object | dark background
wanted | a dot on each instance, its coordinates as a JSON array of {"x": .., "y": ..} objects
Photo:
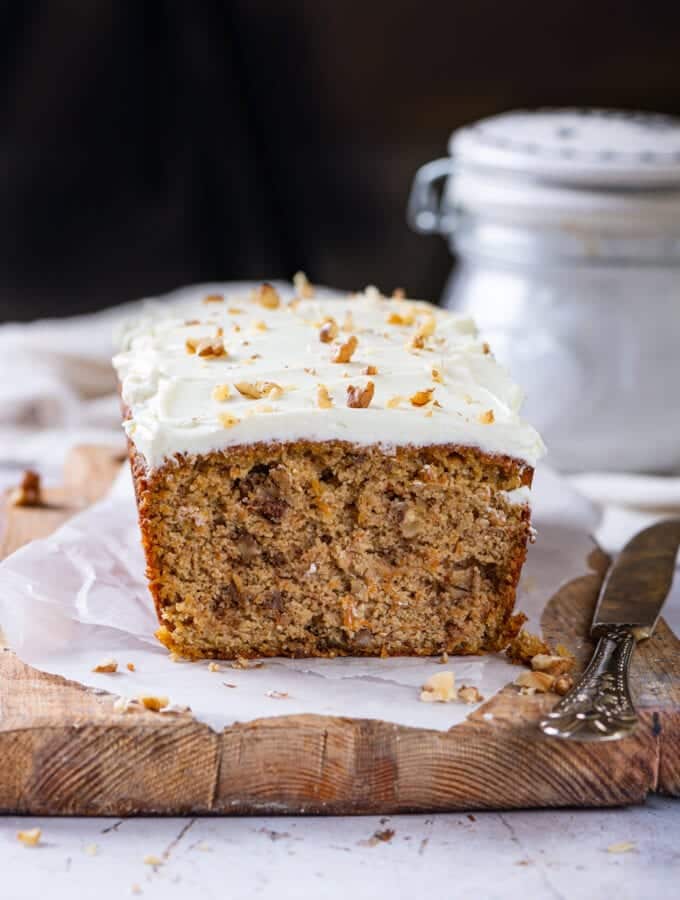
[{"x": 146, "y": 144}]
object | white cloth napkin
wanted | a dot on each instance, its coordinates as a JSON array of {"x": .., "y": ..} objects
[{"x": 57, "y": 389}]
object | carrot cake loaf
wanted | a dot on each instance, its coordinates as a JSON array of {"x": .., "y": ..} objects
[{"x": 320, "y": 474}]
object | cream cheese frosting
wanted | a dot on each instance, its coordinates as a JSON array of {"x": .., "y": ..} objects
[{"x": 238, "y": 364}]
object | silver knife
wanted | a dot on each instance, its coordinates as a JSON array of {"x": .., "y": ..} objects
[{"x": 599, "y": 707}]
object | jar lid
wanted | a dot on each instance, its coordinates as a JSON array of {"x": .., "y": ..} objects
[{"x": 590, "y": 166}]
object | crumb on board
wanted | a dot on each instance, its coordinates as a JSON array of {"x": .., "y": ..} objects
[
  {"x": 28, "y": 492},
  {"x": 439, "y": 688},
  {"x": 151, "y": 860},
  {"x": 106, "y": 666},
  {"x": 213, "y": 667},
  {"x": 152, "y": 702}
]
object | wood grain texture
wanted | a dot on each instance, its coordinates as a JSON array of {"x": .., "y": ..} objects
[{"x": 65, "y": 750}]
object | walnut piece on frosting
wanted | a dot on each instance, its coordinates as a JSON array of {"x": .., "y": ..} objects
[
  {"x": 228, "y": 421},
  {"x": 345, "y": 352},
  {"x": 422, "y": 398},
  {"x": 303, "y": 287},
  {"x": 329, "y": 330},
  {"x": 487, "y": 417},
  {"x": 259, "y": 389},
  {"x": 323, "y": 398},
  {"x": 107, "y": 666},
  {"x": 267, "y": 295},
  {"x": 213, "y": 298},
  {"x": 206, "y": 347},
  {"x": 221, "y": 392},
  {"x": 360, "y": 398},
  {"x": 30, "y": 837}
]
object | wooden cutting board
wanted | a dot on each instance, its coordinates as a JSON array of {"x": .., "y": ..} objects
[{"x": 65, "y": 751}]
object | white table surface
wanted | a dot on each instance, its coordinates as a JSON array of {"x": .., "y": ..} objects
[
  {"x": 539, "y": 854},
  {"x": 528, "y": 854}
]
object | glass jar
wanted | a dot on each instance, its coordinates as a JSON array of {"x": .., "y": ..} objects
[{"x": 574, "y": 281}]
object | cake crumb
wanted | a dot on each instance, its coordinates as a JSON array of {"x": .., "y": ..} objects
[
  {"x": 487, "y": 417},
  {"x": 242, "y": 663},
  {"x": 395, "y": 402},
  {"x": 437, "y": 375},
  {"x": 444, "y": 658},
  {"x": 439, "y": 688},
  {"x": 213, "y": 667},
  {"x": 155, "y": 704},
  {"x": 469, "y": 694},
  {"x": 360, "y": 398},
  {"x": 405, "y": 319},
  {"x": 130, "y": 667},
  {"x": 345, "y": 352},
  {"x": 213, "y": 298},
  {"x": 107, "y": 666},
  {"x": 221, "y": 392},
  {"x": 525, "y": 646},
  {"x": 29, "y": 492},
  {"x": 370, "y": 370},
  {"x": 151, "y": 860},
  {"x": 382, "y": 836},
  {"x": 30, "y": 837}
]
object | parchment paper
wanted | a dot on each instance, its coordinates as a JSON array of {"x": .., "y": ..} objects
[{"x": 78, "y": 597}]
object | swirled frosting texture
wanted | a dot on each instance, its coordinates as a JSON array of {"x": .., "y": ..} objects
[{"x": 209, "y": 369}]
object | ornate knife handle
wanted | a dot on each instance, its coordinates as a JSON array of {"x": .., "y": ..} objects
[{"x": 599, "y": 707}]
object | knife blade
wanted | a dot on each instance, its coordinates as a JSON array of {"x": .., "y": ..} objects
[
  {"x": 599, "y": 707},
  {"x": 640, "y": 579}
]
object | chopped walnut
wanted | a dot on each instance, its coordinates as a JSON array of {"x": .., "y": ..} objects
[
  {"x": 487, "y": 417},
  {"x": 221, "y": 392},
  {"x": 303, "y": 287},
  {"x": 395, "y": 402},
  {"x": 370, "y": 370},
  {"x": 396, "y": 318},
  {"x": 29, "y": 492},
  {"x": 130, "y": 667},
  {"x": 417, "y": 342},
  {"x": 439, "y": 688},
  {"x": 323, "y": 398},
  {"x": 227, "y": 420},
  {"x": 553, "y": 665},
  {"x": 30, "y": 837},
  {"x": 563, "y": 684},
  {"x": 206, "y": 347},
  {"x": 345, "y": 352},
  {"x": 469, "y": 694},
  {"x": 213, "y": 298},
  {"x": 421, "y": 398},
  {"x": 437, "y": 375},
  {"x": 486, "y": 349},
  {"x": 267, "y": 295},
  {"x": 329, "y": 330},
  {"x": 360, "y": 398},
  {"x": 213, "y": 667},
  {"x": 107, "y": 666},
  {"x": 259, "y": 390},
  {"x": 150, "y": 701},
  {"x": 540, "y": 682}
]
